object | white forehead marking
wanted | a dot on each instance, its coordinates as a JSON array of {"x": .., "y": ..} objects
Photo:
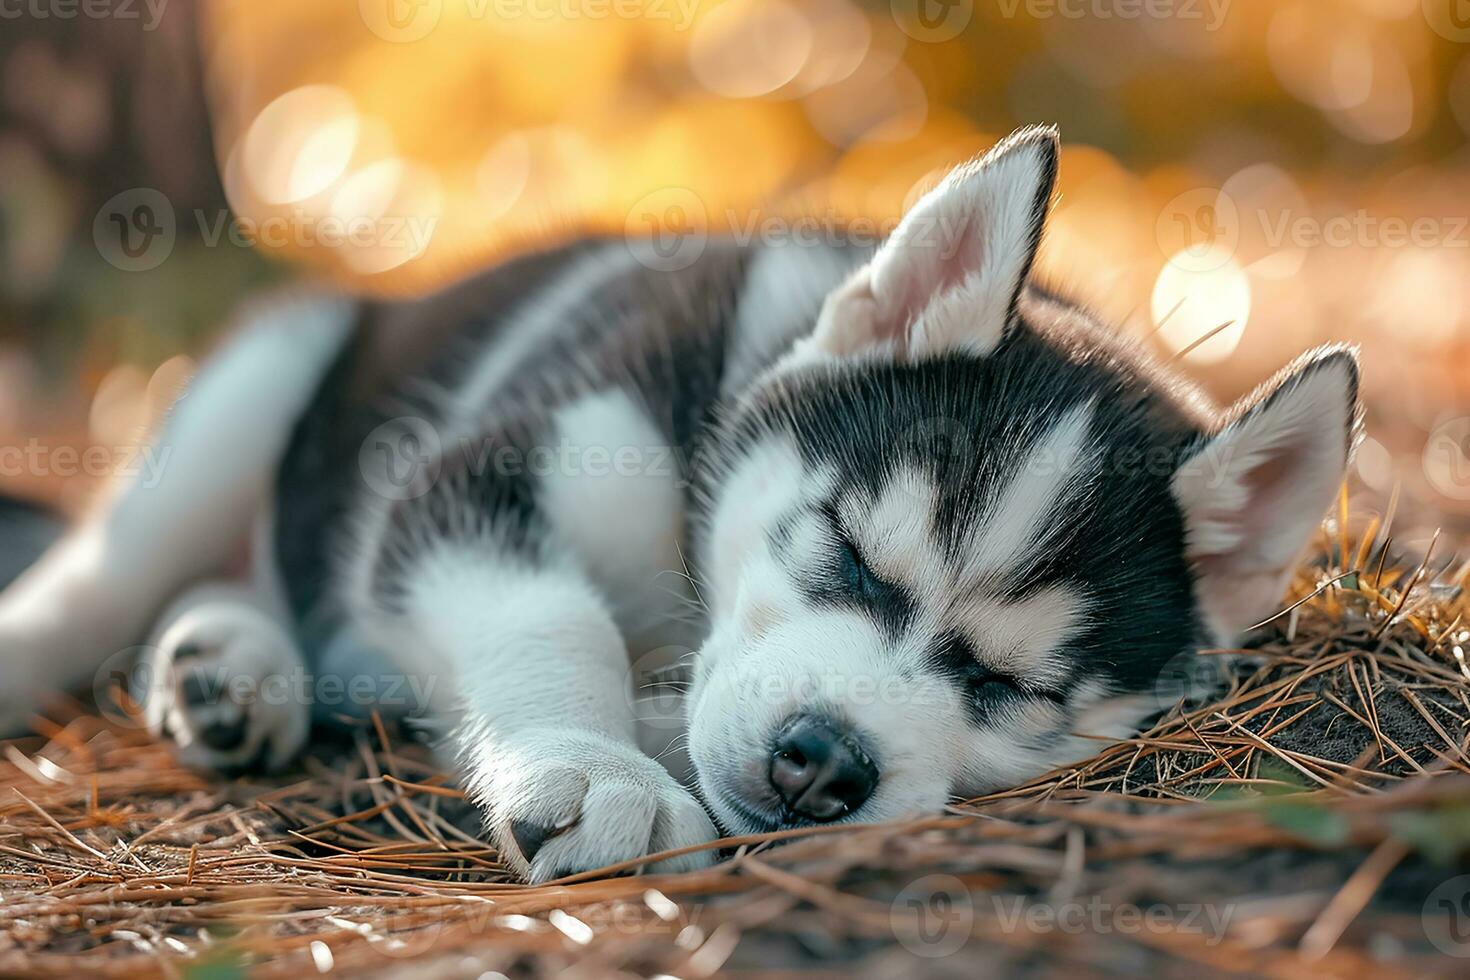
[
  {"x": 896, "y": 534},
  {"x": 1055, "y": 467},
  {"x": 1021, "y": 638},
  {"x": 808, "y": 540},
  {"x": 767, "y": 482}
]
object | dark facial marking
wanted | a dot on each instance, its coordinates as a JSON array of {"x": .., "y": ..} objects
[
  {"x": 1122, "y": 544},
  {"x": 987, "y": 693},
  {"x": 847, "y": 580}
]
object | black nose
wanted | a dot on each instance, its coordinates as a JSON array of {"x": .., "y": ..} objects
[{"x": 820, "y": 771}]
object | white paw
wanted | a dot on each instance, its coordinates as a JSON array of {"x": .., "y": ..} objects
[
  {"x": 225, "y": 683},
  {"x": 560, "y": 802}
]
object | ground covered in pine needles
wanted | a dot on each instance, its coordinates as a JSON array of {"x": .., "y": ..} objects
[{"x": 1300, "y": 806}]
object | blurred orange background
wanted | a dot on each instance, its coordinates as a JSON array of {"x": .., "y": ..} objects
[{"x": 1297, "y": 171}]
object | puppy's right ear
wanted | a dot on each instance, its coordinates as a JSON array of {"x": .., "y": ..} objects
[
  {"x": 1253, "y": 494},
  {"x": 950, "y": 274}
]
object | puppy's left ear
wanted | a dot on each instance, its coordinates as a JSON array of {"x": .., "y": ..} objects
[
  {"x": 1253, "y": 494},
  {"x": 950, "y": 274}
]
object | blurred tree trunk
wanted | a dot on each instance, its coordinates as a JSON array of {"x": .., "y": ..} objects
[{"x": 91, "y": 107}]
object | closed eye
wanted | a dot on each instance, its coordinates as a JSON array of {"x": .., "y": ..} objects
[
  {"x": 986, "y": 688},
  {"x": 846, "y": 578},
  {"x": 853, "y": 573},
  {"x": 994, "y": 690},
  {"x": 990, "y": 689},
  {"x": 852, "y": 570}
]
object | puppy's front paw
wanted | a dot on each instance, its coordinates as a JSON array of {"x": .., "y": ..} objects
[
  {"x": 563, "y": 802},
  {"x": 223, "y": 683}
]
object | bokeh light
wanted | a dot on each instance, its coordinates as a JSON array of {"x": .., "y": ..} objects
[
  {"x": 300, "y": 144},
  {"x": 1201, "y": 309},
  {"x": 749, "y": 48},
  {"x": 1210, "y": 153}
]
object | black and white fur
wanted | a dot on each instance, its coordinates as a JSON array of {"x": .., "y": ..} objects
[{"x": 940, "y": 509}]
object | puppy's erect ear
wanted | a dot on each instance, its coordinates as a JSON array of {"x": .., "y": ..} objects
[
  {"x": 1254, "y": 493},
  {"x": 950, "y": 274}
]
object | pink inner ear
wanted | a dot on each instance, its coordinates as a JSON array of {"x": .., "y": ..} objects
[
  {"x": 1240, "y": 587},
  {"x": 1266, "y": 486},
  {"x": 931, "y": 256},
  {"x": 959, "y": 251},
  {"x": 1255, "y": 496},
  {"x": 1234, "y": 601},
  {"x": 949, "y": 274}
]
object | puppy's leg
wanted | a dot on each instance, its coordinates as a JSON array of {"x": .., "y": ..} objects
[
  {"x": 224, "y": 680},
  {"x": 545, "y": 736},
  {"x": 190, "y": 504}
]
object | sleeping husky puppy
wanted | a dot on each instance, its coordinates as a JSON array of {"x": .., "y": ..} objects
[{"x": 943, "y": 525}]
